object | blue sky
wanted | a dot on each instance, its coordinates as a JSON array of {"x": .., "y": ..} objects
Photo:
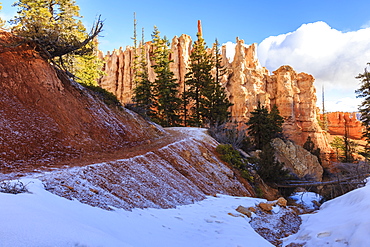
[{"x": 253, "y": 21}]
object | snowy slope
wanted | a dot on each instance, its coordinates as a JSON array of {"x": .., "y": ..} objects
[
  {"x": 41, "y": 218},
  {"x": 343, "y": 221}
]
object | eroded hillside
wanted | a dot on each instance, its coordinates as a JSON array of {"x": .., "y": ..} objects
[
  {"x": 46, "y": 119},
  {"x": 56, "y": 130}
]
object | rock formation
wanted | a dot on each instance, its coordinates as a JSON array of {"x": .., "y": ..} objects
[
  {"x": 298, "y": 160},
  {"x": 336, "y": 122},
  {"x": 246, "y": 83}
]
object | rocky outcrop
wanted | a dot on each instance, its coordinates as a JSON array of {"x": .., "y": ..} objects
[
  {"x": 246, "y": 83},
  {"x": 337, "y": 122},
  {"x": 298, "y": 160}
]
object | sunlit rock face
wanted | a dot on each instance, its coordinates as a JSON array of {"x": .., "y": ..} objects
[
  {"x": 246, "y": 83},
  {"x": 337, "y": 123},
  {"x": 298, "y": 160}
]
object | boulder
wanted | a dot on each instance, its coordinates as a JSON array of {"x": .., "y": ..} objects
[
  {"x": 282, "y": 202},
  {"x": 244, "y": 210},
  {"x": 298, "y": 160},
  {"x": 265, "y": 206}
]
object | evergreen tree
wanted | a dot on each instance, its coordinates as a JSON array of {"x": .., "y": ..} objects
[
  {"x": 55, "y": 25},
  {"x": 264, "y": 126},
  {"x": 198, "y": 81},
  {"x": 309, "y": 145},
  {"x": 268, "y": 168},
  {"x": 276, "y": 122},
  {"x": 337, "y": 144},
  {"x": 217, "y": 103},
  {"x": 165, "y": 87},
  {"x": 143, "y": 92},
  {"x": 87, "y": 69},
  {"x": 364, "y": 92},
  {"x": 135, "y": 62},
  {"x": 349, "y": 147}
]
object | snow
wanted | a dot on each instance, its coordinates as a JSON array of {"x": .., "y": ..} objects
[
  {"x": 40, "y": 218},
  {"x": 343, "y": 221},
  {"x": 306, "y": 199}
]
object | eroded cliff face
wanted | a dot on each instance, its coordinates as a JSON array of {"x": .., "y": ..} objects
[
  {"x": 337, "y": 122},
  {"x": 246, "y": 83}
]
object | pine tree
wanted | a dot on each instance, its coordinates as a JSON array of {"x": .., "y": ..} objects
[
  {"x": 264, "y": 126},
  {"x": 364, "y": 92},
  {"x": 276, "y": 122},
  {"x": 55, "y": 25},
  {"x": 349, "y": 146},
  {"x": 337, "y": 144},
  {"x": 165, "y": 87},
  {"x": 135, "y": 62},
  {"x": 269, "y": 169},
  {"x": 143, "y": 92},
  {"x": 309, "y": 145},
  {"x": 198, "y": 81},
  {"x": 87, "y": 69},
  {"x": 217, "y": 103}
]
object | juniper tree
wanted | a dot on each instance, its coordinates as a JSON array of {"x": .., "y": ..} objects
[{"x": 167, "y": 102}]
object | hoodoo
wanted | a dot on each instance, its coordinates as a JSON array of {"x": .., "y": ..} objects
[{"x": 246, "y": 83}]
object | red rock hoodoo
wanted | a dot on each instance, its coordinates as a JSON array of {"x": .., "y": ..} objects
[{"x": 337, "y": 121}]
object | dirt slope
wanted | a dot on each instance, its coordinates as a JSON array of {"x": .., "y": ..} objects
[
  {"x": 181, "y": 172},
  {"x": 54, "y": 129},
  {"x": 46, "y": 119}
]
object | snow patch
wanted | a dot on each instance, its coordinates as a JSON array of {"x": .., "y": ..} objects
[
  {"x": 44, "y": 219},
  {"x": 343, "y": 221}
]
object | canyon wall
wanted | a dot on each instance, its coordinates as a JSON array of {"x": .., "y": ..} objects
[
  {"x": 246, "y": 83},
  {"x": 336, "y": 122}
]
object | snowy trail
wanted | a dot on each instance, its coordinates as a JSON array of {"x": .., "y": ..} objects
[
  {"x": 44, "y": 219},
  {"x": 343, "y": 221}
]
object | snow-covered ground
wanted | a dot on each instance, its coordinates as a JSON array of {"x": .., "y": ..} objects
[
  {"x": 41, "y": 218},
  {"x": 343, "y": 221}
]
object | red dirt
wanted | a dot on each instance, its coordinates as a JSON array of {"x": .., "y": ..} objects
[{"x": 47, "y": 120}]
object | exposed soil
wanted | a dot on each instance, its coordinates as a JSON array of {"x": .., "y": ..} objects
[{"x": 47, "y": 120}]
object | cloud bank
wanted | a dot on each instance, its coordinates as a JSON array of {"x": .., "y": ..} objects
[{"x": 333, "y": 57}]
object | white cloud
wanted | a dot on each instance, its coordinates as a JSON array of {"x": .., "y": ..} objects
[
  {"x": 333, "y": 57},
  {"x": 344, "y": 105}
]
